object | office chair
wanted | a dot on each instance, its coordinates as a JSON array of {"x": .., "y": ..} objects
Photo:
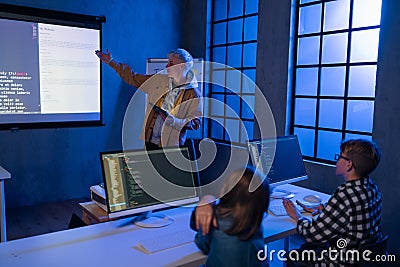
[{"x": 377, "y": 248}]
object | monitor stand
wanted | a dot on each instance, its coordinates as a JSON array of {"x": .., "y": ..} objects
[
  {"x": 280, "y": 193},
  {"x": 149, "y": 220}
]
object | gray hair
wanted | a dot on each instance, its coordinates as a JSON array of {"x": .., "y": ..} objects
[{"x": 183, "y": 55}]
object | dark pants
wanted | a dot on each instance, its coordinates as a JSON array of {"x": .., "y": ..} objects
[{"x": 151, "y": 146}]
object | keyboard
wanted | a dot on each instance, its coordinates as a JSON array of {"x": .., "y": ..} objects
[
  {"x": 166, "y": 241},
  {"x": 279, "y": 209}
]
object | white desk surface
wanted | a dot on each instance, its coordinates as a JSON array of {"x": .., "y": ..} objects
[
  {"x": 112, "y": 243},
  {"x": 278, "y": 227}
]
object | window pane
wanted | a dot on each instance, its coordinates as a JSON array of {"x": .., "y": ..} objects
[
  {"x": 249, "y": 55},
  {"x": 362, "y": 81},
  {"x": 334, "y": 48},
  {"x": 219, "y": 34},
  {"x": 218, "y": 78},
  {"x": 248, "y": 107},
  {"x": 364, "y": 46},
  {"x": 333, "y": 81},
  {"x": 248, "y": 81},
  {"x": 331, "y": 113},
  {"x": 220, "y": 9},
  {"x": 366, "y": 13},
  {"x": 232, "y": 130},
  {"x": 249, "y": 126},
  {"x": 217, "y": 88},
  {"x": 217, "y": 107},
  {"x": 250, "y": 28},
  {"x": 360, "y": 115},
  {"x": 306, "y": 140},
  {"x": 235, "y": 30},
  {"x": 310, "y": 19},
  {"x": 235, "y": 8},
  {"x": 251, "y": 74},
  {"x": 357, "y": 136},
  {"x": 328, "y": 144},
  {"x": 306, "y": 81},
  {"x": 307, "y": 1},
  {"x": 217, "y": 129},
  {"x": 233, "y": 101},
  {"x": 219, "y": 54},
  {"x": 336, "y": 15},
  {"x": 308, "y": 50},
  {"x": 251, "y": 6},
  {"x": 305, "y": 112},
  {"x": 233, "y": 80},
  {"x": 234, "y": 56}
]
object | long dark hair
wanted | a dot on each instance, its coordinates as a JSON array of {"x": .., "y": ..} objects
[{"x": 244, "y": 207}]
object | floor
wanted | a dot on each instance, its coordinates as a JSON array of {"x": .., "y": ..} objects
[
  {"x": 41, "y": 219},
  {"x": 36, "y": 220}
]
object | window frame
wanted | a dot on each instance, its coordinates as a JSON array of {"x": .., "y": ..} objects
[
  {"x": 318, "y": 97},
  {"x": 226, "y": 93}
]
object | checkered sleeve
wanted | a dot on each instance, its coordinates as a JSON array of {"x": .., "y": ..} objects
[{"x": 332, "y": 221}]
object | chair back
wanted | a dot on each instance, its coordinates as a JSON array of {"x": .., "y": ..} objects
[{"x": 377, "y": 248}]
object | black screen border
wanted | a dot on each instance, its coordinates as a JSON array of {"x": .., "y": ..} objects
[
  {"x": 158, "y": 205},
  {"x": 31, "y": 14}
]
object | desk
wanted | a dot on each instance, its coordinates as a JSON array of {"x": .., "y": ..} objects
[
  {"x": 105, "y": 244},
  {"x": 3, "y": 232},
  {"x": 278, "y": 227},
  {"x": 92, "y": 213},
  {"x": 113, "y": 243}
]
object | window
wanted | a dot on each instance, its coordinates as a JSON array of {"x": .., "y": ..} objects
[
  {"x": 336, "y": 51},
  {"x": 234, "y": 47}
]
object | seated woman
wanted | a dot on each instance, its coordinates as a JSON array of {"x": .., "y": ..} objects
[{"x": 235, "y": 236}]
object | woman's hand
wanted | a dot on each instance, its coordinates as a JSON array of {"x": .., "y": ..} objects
[
  {"x": 105, "y": 57},
  {"x": 205, "y": 214}
]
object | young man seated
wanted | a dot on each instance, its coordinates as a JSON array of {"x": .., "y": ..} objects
[{"x": 352, "y": 216}]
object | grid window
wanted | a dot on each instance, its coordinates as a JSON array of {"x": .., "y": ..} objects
[
  {"x": 234, "y": 46},
  {"x": 336, "y": 53}
]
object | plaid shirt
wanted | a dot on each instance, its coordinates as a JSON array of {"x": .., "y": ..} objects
[{"x": 353, "y": 214}]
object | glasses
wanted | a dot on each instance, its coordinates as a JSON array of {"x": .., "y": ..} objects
[{"x": 339, "y": 156}]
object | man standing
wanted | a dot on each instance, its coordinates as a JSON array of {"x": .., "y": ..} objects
[{"x": 175, "y": 101}]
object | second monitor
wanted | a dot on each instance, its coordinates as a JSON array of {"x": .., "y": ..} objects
[{"x": 280, "y": 159}]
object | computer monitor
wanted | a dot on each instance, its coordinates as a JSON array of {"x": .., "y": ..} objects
[
  {"x": 138, "y": 182},
  {"x": 280, "y": 159},
  {"x": 214, "y": 171}
]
